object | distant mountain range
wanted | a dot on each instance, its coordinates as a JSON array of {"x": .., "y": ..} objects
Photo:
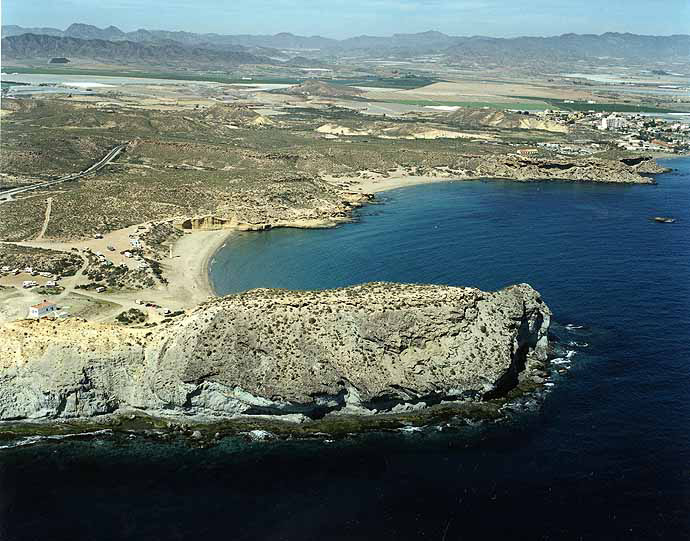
[
  {"x": 147, "y": 45},
  {"x": 35, "y": 46}
]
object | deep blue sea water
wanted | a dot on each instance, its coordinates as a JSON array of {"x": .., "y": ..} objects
[{"x": 606, "y": 457}]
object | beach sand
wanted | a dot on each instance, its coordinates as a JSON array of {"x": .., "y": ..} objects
[
  {"x": 188, "y": 269},
  {"x": 377, "y": 185},
  {"x": 375, "y": 182}
]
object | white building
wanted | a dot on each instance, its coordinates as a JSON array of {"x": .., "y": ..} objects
[
  {"x": 42, "y": 309},
  {"x": 612, "y": 122}
]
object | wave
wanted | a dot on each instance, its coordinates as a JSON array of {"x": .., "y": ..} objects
[
  {"x": 32, "y": 440},
  {"x": 573, "y": 327}
]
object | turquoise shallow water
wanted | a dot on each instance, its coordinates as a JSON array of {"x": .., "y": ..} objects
[{"x": 606, "y": 457}]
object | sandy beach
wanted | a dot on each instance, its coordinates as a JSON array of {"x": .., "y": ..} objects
[
  {"x": 188, "y": 269},
  {"x": 375, "y": 183},
  {"x": 384, "y": 184}
]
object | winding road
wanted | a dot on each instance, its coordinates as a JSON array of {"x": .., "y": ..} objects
[{"x": 8, "y": 195}]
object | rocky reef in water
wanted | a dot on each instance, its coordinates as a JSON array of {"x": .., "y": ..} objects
[{"x": 277, "y": 354}]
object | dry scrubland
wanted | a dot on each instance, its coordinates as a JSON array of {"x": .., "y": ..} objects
[
  {"x": 211, "y": 165},
  {"x": 223, "y": 160}
]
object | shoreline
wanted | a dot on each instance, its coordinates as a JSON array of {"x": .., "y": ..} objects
[
  {"x": 199, "y": 255},
  {"x": 189, "y": 268},
  {"x": 356, "y": 185}
]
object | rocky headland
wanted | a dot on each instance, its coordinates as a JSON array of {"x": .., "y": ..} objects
[
  {"x": 632, "y": 170},
  {"x": 277, "y": 354},
  {"x": 640, "y": 170}
]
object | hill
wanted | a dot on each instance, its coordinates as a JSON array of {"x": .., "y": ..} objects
[
  {"x": 573, "y": 47},
  {"x": 610, "y": 47},
  {"x": 322, "y": 89},
  {"x": 236, "y": 115},
  {"x": 34, "y": 46},
  {"x": 491, "y": 118}
]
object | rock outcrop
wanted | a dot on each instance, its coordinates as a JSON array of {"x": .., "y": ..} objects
[
  {"x": 320, "y": 89},
  {"x": 503, "y": 120},
  {"x": 364, "y": 349},
  {"x": 635, "y": 171}
]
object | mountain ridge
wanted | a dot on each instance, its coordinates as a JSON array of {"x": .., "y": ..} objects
[
  {"x": 26, "y": 46},
  {"x": 565, "y": 48}
]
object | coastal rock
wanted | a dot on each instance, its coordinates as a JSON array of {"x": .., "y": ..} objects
[
  {"x": 629, "y": 171},
  {"x": 372, "y": 348}
]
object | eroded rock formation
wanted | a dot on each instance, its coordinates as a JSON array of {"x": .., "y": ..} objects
[{"x": 365, "y": 349}]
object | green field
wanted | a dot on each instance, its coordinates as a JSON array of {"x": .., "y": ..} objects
[
  {"x": 602, "y": 107},
  {"x": 530, "y": 105},
  {"x": 382, "y": 82},
  {"x": 406, "y": 83}
]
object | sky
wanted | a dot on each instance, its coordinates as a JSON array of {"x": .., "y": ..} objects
[{"x": 346, "y": 18}]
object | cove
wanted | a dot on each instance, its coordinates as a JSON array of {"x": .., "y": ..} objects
[{"x": 606, "y": 456}]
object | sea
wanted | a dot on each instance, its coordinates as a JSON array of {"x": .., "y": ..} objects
[{"x": 605, "y": 455}]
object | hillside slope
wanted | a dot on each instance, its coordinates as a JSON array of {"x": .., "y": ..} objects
[{"x": 34, "y": 46}]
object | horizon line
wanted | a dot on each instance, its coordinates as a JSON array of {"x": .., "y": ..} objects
[{"x": 543, "y": 36}]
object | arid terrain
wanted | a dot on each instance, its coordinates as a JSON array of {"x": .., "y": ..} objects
[{"x": 203, "y": 158}]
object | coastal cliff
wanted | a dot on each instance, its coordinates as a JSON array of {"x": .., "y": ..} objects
[
  {"x": 629, "y": 171},
  {"x": 367, "y": 349}
]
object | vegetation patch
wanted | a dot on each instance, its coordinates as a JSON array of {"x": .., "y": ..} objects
[{"x": 131, "y": 317}]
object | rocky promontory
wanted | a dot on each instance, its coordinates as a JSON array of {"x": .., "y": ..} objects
[
  {"x": 375, "y": 348},
  {"x": 590, "y": 169}
]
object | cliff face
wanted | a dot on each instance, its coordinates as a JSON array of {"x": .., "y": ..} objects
[
  {"x": 364, "y": 349},
  {"x": 576, "y": 169}
]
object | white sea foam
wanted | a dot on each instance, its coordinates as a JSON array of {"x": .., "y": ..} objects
[
  {"x": 31, "y": 440},
  {"x": 410, "y": 429}
]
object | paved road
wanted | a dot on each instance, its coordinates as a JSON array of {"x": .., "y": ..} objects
[{"x": 100, "y": 164}]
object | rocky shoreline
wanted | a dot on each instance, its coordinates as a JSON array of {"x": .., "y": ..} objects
[
  {"x": 356, "y": 191},
  {"x": 276, "y": 356},
  {"x": 213, "y": 366},
  {"x": 515, "y": 168}
]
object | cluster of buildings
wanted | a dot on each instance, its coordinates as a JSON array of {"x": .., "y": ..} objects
[{"x": 636, "y": 132}]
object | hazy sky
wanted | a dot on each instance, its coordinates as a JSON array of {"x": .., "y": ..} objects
[{"x": 344, "y": 18}]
